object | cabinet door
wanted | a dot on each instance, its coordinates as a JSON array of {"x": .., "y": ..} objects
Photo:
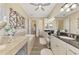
[
  {"x": 69, "y": 52},
  {"x": 58, "y": 48}
]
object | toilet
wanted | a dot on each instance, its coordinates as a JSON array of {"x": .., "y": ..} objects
[{"x": 46, "y": 51}]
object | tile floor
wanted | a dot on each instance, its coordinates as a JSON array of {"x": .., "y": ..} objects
[{"x": 37, "y": 47}]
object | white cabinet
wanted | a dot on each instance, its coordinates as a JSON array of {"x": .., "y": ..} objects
[
  {"x": 70, "y": 52},
  {"x": 60, "y": 47},
  {"x": 73, "y": 49},
  {"x": 57, "y": 47},
  {"x": 58, "y": 50}
]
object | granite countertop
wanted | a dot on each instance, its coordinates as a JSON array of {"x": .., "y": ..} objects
[{"x": 71, "y": 42}]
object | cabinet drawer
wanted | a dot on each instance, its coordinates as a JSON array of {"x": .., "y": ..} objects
[
  {"x": 58, "y": 50},
  {"x": 69, "y": 52},
  {"x": 56, "y": 41},
  {"x": 73, "y": 49},
  {"x": 57, "y": 46}
]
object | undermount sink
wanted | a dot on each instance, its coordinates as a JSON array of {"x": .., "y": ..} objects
[{"x": 68, "y": 38}]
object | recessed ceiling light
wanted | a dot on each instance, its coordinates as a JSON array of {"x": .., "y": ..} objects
[
  {"x": 40, "y": 6},
  {"x": 68, "y": 10},
  {"x": 73, "y": 6},
  {"x": 66, "y": 6},
  {"x": 62, "y": 9}
]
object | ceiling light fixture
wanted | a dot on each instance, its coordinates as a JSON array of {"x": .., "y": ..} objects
[
  {"x": 68, "y": 10},
  {"x": 68, "y": 7},
  {"x": 62, "y": 10},
  {"x": 40, "y": 6}
]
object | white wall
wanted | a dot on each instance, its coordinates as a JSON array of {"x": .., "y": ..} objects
[
  {"x": 66, "y": 24},
  {"x": 2, "y": 15},
  {"x": 4, "y": 11},
  {"x": 71, "y": 23}
]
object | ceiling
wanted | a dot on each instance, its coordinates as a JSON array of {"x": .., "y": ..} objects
[
  {"x": 30, "y": 9},
  {"x": 64, "y": 13}
]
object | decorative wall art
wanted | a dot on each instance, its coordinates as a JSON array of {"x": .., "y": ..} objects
[{"x": 15, "y": 19}]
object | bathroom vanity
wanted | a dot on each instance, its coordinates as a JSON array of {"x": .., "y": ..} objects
[
  {"x": 11, "y": 47},
  {"x": 62, "y": 47}
]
